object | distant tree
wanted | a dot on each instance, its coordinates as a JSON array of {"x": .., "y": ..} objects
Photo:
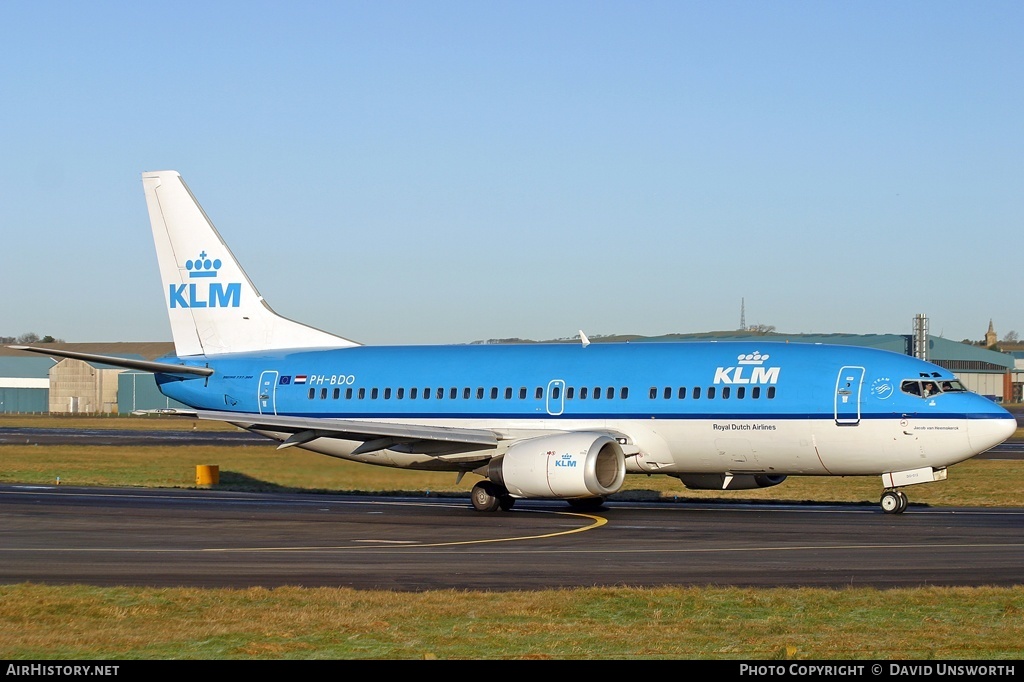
[
  {"x": 1011, "y": 337},
  {"x": 49, "y": 339},
  {"x": 30, "y": 337},
  {"x": 761, "y": 328},
  {"x": 7, "y": 339}
]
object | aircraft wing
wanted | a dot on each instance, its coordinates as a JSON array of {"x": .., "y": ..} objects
[{"x": 443, "y": 442}]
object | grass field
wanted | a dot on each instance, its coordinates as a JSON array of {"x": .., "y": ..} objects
[{"x": 81, "y": 622}]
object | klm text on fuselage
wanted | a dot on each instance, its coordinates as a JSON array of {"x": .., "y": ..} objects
[{"x": 734, "y": 375}]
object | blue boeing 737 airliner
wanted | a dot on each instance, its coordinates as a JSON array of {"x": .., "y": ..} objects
[{"x": 552, "y": 421}]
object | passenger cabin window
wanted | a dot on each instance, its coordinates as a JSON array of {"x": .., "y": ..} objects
[
  {"x": 337, "y": 394},
  {"x": 362, "y": 393},
  {"x": 570, "y": 392},
  {"x": 400, "y": 393},
  {"x": 624, "y": 393},
  {"x": 539, "y": 393},
  {"x": 711, "y": 392},
  {"x": 696, "y": 392},
  {"x": 323, "y": 394},
  {"x": 682, "y": 393}
]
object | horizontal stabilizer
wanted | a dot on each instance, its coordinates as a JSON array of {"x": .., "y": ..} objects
[{"x": 127, "y": 363}]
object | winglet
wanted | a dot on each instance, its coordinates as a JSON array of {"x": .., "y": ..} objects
[{"x": 583, "y": 339}]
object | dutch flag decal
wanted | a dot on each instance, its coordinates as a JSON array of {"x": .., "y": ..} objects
[{"x": 300, "y": 378}]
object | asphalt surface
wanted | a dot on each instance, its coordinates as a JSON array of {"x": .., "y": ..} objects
[
  {"x": 32, "y": 436},
  {"x": 210, "y": 538}
]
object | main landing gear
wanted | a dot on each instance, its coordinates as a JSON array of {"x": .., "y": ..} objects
[
  {"x": 489, "y": 497},
  {"x": 893, "y": 501}
]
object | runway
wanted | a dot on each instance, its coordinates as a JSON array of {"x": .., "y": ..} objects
[{"x": 208, "y": 538}]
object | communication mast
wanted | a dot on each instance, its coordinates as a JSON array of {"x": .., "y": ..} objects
[{"x": 921, "y": 336}]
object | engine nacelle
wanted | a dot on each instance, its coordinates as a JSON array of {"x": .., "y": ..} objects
[
  {"x": 729, "y": 481},
  {"x": 561, "y": 466}
]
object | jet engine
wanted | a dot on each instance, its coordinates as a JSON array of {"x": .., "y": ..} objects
[
  {"x": 561, "y": 466},
  {"x": 729, "y": 481}
]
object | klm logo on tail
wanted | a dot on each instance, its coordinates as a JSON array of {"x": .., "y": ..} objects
[{"x": 213, "y": 295}]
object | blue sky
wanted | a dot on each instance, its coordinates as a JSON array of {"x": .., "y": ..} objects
[{"x": 444, "y": 172}]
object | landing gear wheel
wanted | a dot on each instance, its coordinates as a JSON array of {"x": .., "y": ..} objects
[
  {"x": 489, "y": 497},
  {"x": 903, "y": 502},
  {"x": 893, "y": 502},
  {"x": 586, "y": 503},
  {"x": 483, "y": 497}
]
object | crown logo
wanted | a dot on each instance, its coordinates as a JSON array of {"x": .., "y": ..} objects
[
  {"x": 202, "y": 266},
  {"x": 754, "y": 358}
]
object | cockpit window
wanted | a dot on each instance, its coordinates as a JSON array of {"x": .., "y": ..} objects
[
  {"x": 911, "y": 387},
  {"x": 929, "y": 387}
]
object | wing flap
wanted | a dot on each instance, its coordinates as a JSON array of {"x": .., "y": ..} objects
[{"x": 305, "y": 429}]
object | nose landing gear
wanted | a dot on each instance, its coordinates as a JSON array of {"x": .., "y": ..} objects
[{"x": 893, "y": 501}]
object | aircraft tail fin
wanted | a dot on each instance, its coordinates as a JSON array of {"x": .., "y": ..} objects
[{"x": 213, "y": 306}]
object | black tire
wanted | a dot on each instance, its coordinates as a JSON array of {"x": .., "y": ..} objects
[
  {"x": 890, "y": 502},
  {"x": 506, "y": 502},
  {"x": 484, "y": 498},
  {"x": 586, "y": 503}
]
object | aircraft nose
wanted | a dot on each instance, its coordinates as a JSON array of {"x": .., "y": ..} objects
[{"x": 990, "y": 431}]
